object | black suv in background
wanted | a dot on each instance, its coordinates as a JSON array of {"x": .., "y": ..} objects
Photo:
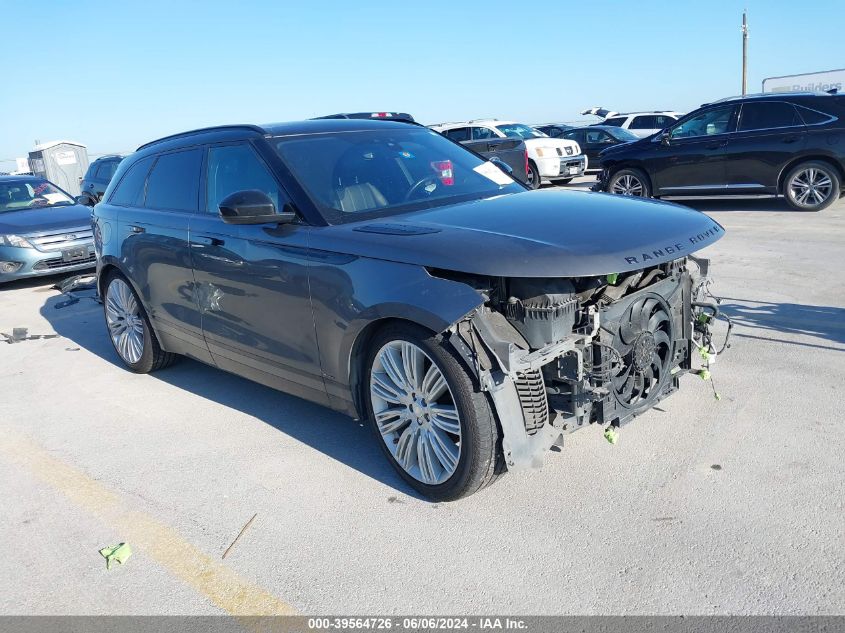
[
  {"x": 790, "y": 144},
  {"x": 97, "y": 178}
]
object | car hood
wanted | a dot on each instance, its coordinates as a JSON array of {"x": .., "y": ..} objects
[
  {"x": 44, "y": 219},
  {"x": 550, "y": 142},
  {"x": 544, "y": 233}
]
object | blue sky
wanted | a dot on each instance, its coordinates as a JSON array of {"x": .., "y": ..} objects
[{"x": 116, "y": 74}]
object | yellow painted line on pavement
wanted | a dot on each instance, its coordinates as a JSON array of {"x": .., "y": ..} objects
[{"x": 208, "y": 576}]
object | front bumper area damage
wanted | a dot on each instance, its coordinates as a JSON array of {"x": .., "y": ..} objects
[{"x": 557, "y": 355}]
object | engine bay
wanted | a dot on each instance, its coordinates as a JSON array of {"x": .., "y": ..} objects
[{"x": 561, "y": 354}]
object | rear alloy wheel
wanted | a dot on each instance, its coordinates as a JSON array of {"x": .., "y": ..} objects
[
  {"x": 629, "y": 182},
  {"x": 533, "y": 175},
  {"x": 129, "y": 328},
  {"x": 811, "y": 186},
  {"x": 436, "y": 429}
]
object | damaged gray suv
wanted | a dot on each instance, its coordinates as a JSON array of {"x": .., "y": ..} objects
[{"x": 379, "y": 269}]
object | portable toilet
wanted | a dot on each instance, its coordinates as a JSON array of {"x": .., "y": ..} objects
[{"x": 61, "y": 162}]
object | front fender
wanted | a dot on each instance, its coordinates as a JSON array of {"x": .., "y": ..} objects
[{"x": 350, "y": 296}]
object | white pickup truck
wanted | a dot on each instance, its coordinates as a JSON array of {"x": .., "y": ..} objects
[{"x": 555, "y": 159}]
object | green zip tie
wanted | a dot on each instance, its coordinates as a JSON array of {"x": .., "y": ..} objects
[
  {"x": 611, "y": 435},
  {"x": 612, "y": 278}
]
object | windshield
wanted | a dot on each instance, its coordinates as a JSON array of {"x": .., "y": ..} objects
[
  {"x": 361, "y": 174},
  {"x": 16, "y": 195},
  {"x": 519, "y": 130},
  {"x": 621, "y": 134}
]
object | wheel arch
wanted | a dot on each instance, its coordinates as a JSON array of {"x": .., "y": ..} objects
[{"x": 819, "y": 158}]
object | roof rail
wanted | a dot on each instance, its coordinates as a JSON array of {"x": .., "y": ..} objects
[
  {"x": 244, "y": 126},
  {"x": 488, "y": 118},
  {"x": 447, "y": 123}
]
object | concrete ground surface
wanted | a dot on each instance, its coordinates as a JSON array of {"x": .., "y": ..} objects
[{"x": 703, "y": 507}]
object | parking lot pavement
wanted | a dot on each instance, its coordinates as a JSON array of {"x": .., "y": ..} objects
[{"x": 703, "y": 507}]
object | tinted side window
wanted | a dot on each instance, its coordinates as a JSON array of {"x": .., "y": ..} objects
[
  {"x": 767, "y": 115},
  {"x": 175, "y": 180},
  {"x": 234, "y": 168},
  {"x": 598, "y": 136},
  {"x": 106, "y": 169},
  {"x": 482, "y": 133},
  {"x": 705, "y": 123},
  {"x": 615, "y": 121},
  {"x": 812, "y": 117},
  {"x": 645, "y": 122},
  {"x": 663, "y": 121},
  {"x": 458, "y": 134},
  {"x": 130, "y": 189}
]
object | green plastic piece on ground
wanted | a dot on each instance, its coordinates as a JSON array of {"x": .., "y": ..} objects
[
  {"x": 611, "y": 435},
  {"x": 612, "y": 278},
  {"x": 717, "y": 395},
  {"x": 705, "y": 374},
  {"x": 119, "y": 553},
  {"x": 705, "y": 355}
]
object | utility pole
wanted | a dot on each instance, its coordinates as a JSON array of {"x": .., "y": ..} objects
[{"x": 744, "y": 52}]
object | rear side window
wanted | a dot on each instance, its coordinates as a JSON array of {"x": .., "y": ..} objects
[
  {"x": 106, "y": 169},
  {"x": 482, "y": 133},
  {"x": 458, "y": 134},
  {"x": 615, "y": 121},
  {"x": 767, "y": 115},
  {"x": 130, "y": 189},
  {"x": 234, "y": 168},
  {"x": 175, "y": 180},
  {"x": 645, "y": 122},
  {"x": 813, "y": 117}
]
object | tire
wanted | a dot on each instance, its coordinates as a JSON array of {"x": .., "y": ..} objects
[
  {"x": 562, "y": 181},
  {"x": 129, "y": 328},
  {"x": 406, "y": 426},
  {"x": 533, "y": 175},
  {"x": 811, "y": 186},
  {"x": 629, "y": 182}
]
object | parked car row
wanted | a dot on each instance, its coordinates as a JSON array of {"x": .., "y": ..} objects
[{"x": 557, "y": 160}]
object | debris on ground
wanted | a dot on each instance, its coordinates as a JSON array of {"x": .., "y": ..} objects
[
  {"x": 20, "y": 334},
  {"x": 243, "y": 529},
  {"x": 120, "y": 553}
]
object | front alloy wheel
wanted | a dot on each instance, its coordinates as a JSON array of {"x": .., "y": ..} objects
[
  {"x": 434, "y": 425},
  {"x": 628, "y": 183},
  {"x": 415, "y": 412}
]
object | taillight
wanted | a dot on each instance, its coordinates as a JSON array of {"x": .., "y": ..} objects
[
  {"x": 444, "y": 171},
  {"x": 526, "y": 161}
]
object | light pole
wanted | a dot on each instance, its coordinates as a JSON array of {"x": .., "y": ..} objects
[{"x": 744, "y": 53}]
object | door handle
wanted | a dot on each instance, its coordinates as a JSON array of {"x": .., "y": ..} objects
[
  {"x": 716, "y": 145},
  {"x": 206, "y": 240},
  {"x": 133, "y": 228}
]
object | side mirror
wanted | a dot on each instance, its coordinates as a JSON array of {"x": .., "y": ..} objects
[
  {"x": 664, "y": 138},
  {"x": 252, "y": 207},
  {"x": 85, "y": 200},
  {"x": 498, "y": 162}
]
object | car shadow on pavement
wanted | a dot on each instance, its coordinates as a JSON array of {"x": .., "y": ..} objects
[
  {"x": 826, "y": 322},
  {"x": 719, "y": 205},
  {"x": 333, "y": 434}
]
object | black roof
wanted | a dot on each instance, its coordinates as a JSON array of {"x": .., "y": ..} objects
[
  {"x": 312, "y": 126},
  {"x": 778, "y": 96}
]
